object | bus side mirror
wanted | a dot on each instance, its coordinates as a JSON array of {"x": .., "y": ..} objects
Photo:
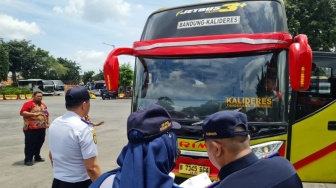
[
  {"x": 111, "y": 68},
  {"x": 300, "y": 63},
  {"x": 111, "y": 73}
]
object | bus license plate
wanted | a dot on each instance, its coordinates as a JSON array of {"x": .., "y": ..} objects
[{"x": 193, "y": 169}]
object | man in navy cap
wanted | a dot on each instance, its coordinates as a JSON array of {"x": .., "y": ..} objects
[
  {"x": 73, "y": 143},
  {"x": 149, "y": 156},
  {"x": 227, "y": 139}
]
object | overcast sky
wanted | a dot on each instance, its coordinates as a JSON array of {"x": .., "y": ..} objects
[{"x": 77, "y": 29}]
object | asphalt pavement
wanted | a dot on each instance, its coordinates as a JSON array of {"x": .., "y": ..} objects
[{"x": 111, "y": 138}]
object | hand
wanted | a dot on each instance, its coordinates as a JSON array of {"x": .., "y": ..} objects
[{"x": 98, "y": 124}]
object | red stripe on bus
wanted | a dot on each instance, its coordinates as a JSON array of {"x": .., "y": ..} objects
[{"x": 315, "y": 156}]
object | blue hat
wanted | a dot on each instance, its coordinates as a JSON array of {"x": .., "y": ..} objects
[
  {"x": 222, "y": 125},
  {"x": 149, "y": 123},
  {"x": 76, "y": 95}
]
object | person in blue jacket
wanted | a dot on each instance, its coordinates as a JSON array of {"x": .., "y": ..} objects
[
  {"x": 227, "y": 139},
  {"x": 150, "y": 154}
]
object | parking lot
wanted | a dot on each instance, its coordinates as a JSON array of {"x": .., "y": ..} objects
[{"x": 111, "y": 138}]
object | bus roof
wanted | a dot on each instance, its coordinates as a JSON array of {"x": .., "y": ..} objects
[
  {"x": 58, "y": 82},
  {"x": 31, "y": 80},
  {"x": 99, "y": 81},
  {"x": 202, "y": 3}
]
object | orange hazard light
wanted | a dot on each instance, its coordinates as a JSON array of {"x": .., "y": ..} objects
[{"x": 300, "y": 63}]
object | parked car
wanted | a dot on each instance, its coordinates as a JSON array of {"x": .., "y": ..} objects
[
  {"x": 108, "y": 94},
  {"x": 96, "y": 92}
]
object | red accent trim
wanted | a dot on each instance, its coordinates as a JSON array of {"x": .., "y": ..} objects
[
  {"x": 282, "y": 149},
  {"x": 315, "y": 156},
  {"x": 199, "y": 49}
]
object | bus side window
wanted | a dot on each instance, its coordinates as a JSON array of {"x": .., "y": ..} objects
[{"x": 320, "y": 93}]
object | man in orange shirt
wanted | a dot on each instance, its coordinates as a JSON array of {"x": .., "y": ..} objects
[{"x": 35, "y": 121}]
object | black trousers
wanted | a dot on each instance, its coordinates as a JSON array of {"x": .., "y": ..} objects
[
  {"x": 62, "y": 184},
  {"x": 34, "y": 140}
]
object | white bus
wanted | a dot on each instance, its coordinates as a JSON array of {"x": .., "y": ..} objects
[
  {"x": 59, "y": 87},
  {"x": 44, "y": 86}
]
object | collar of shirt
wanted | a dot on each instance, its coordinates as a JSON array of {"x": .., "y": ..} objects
[
  {"x": 87, "y": 122},
  {"x": 236, "y": 165},
  {"x": 71, "y": 113}
]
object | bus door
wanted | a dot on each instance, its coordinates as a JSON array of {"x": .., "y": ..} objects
[{"x": 312, "y": 137}]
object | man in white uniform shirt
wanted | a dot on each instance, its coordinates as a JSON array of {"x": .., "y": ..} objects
[{"x": 72, "y": 143}]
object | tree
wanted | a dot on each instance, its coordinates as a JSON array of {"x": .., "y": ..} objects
[
  {"x": 314, "y": 18},
  {"x": 72, "y": 76},
  {"x": 126, "y": 76},
  {"x": 88, "y": 76},
  {"x": 20, "y": 53},
  {"x": 4, "y": 62},
  {"x": 99, "y": 76},
  {"x": 56, "y": 70},
  {"x": 33, "y": 63},
  {"x": 43, "y": 66},
  {"x": 36, "y": 66}
]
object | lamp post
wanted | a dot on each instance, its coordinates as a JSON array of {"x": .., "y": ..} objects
[{"x": 109, "y": 45}]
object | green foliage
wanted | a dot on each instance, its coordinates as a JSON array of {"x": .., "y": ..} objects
[
  {"x": 36, "y": 66},
  {"x": 126, "y": 75},
  {"x": 88, "y": 76},
  {"x": 26, "y": 91},
  {"x": 208, "y": 108},
  {"x": 55, "y": 70},
  {"x": 4, "y": 62},
  {"x": 314, "y": 18},
  {"x": 166, "y": 102},
  {"x": 11, "y": 90},
  {"x": 99, "y": 76},
  {"x": 73, "y": 74},
  {"x": 21, "y": 55},
  {"x": 30, "y": 62},
  {"x": 43, "y": 66}
]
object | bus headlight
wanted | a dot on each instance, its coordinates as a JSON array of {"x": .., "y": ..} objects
[{"x": 266, "y": 149}]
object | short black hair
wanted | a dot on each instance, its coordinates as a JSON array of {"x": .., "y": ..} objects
[{"x": 36, "y": 92}]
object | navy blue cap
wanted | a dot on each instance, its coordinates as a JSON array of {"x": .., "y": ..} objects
[
  {"x": 222, "y": 125},
  {"x": 150, "y": 122},
  {"x": 76, "y": 95}
]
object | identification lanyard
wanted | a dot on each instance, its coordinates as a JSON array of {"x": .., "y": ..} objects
[{"x": 87, "y": 122}]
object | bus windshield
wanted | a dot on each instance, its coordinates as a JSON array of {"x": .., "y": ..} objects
[
  {"x": 246, "y": 17},
  {"x": 48, "y": 82},
  {"x": 99, "y": 86},
  {"x": 192, "y": 88}
]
